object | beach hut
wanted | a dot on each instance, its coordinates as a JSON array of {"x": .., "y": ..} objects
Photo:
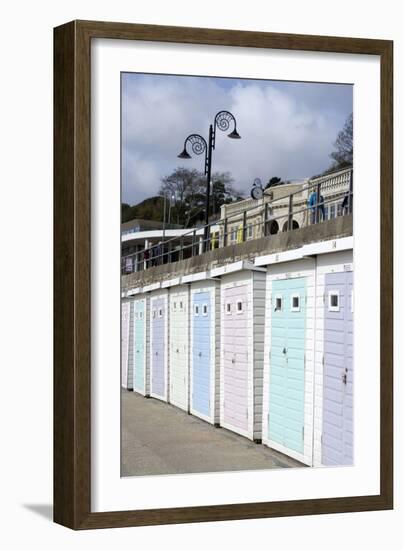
[
  {"x": 289, "y": 353},
  {"x": 333, "y": 437},
  {"x": 241, "y": 347},
  {"x": 126, "y": 344},
  {"x": 178, "y": 344},
  {"x": 158, "y": 355},
  {"x": 204, "y": 346},
  {"x": 141, "y": 330}
]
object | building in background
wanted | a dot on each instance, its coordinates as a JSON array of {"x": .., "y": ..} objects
[{"x": 273, "y": 209}]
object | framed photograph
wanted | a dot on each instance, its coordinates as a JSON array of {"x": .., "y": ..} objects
[{"x": 222, "y": 275}]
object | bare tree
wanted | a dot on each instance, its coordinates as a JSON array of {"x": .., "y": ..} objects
[
  {"x": 184, "y": 186},
  {"x": 343, "y": 154},
  {"x": 188, "y": 190}
]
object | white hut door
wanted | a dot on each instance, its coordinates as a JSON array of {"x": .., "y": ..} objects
[
  {"x": 179, "y": 349},
  {"x": 235, "y": 357}
]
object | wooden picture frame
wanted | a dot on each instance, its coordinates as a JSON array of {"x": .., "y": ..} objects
[{"x": 72, "y": 272}]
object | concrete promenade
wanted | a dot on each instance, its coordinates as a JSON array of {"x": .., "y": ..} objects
[{"x": 158, "y": 438}]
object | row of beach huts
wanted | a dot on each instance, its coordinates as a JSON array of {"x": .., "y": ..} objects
[{"x": 263, "y": 348}]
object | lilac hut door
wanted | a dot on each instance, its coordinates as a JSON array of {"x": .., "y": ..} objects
[
  {"x": 158, "y": 321},
  {"x": 235, "y": 357},
  {"x": 337, "y": 430}
]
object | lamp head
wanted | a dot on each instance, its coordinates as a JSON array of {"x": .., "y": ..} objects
[
  {"x": 184, "y": 154},
  {"x": 234, "y": 135}
]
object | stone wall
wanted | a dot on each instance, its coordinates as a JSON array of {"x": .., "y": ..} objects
[{"x": 331, "y": 229}]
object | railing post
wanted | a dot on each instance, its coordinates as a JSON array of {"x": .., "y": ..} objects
[
  {"x": 290, "y": 200},
  {"x": 181, "y": 249},
  {"x": 193, "y": 243},
  {"x": 244, "y": 218},
  {"x": 350, "y": 194},
  {"x": 317, "y": 208},
  {"x": 225, "y": 240},
  {"x": 266, "y": 220}
]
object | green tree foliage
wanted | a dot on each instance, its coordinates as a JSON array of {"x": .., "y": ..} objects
[
  {"x": 222, "y": 192},
  {"x": 185, "y": 194},
  {"x": 150, "y": 209},
  {"x": 275, "y": 180}
]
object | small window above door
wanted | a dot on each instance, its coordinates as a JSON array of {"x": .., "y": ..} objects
[
  {"x": 160, "y": 312},
  {"x": 228, "y": 308},
  {"x": 154, "y": 313},
  {"x": 295, "y": 302},
  {"x": 334, "y": 301},
  {"x": 239, "y": 306},
  {"x": 204, "y": 310},
  {"x": 196, "y": 310}
]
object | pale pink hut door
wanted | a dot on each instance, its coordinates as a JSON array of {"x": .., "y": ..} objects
[{"x": 235, "y": 357}]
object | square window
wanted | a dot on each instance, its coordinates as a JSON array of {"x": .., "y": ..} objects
[
  {"x": 334, "y": 301},
  {"x": 295, "y": 302},
  {"x": 278, "y": 304}
]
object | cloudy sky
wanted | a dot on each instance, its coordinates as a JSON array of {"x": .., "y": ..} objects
[{"x": 287, "y": 128}]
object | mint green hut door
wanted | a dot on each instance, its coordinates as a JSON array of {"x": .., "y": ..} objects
[{"x": 287, "y": 364}]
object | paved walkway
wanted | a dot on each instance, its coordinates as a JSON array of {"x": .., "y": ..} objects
[{"x": 158, "y": 438}]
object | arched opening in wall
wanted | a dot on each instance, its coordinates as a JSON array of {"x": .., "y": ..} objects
[
  {"x": 273, "y": 228},
  {"x": 294, "y": 225}
]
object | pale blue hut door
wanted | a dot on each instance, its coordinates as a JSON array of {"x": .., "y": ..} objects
[
  {"x": 337, "y": 429},
  {"x": 287, "y": 364},
  {"x": 201, "y": 352}
]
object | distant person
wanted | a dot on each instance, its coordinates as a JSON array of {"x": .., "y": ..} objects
[
  {"x": 316, "y": 208},
  {"x": 345, "y": 205},
  {"x": 158, "y": 254},
  {"x": 146, "y": 257},
  {"x": 153, "y": 254}
]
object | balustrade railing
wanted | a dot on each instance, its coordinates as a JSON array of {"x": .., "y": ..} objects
[{"x": 299, "y": 208}]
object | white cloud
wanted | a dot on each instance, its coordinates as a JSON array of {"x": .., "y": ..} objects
[{"x": 286, "y": 131}]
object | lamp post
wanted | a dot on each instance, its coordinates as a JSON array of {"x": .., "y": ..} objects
[{"x": 222, "y": 120}]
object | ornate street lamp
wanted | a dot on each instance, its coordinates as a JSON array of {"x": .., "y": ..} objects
[{"x": 222, "y": 120}]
